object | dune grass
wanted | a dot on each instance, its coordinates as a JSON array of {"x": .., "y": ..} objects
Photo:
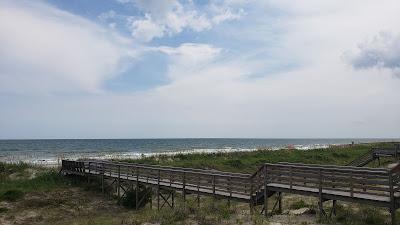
[
  {"x": 15, "y": 180},
  {"x": 250, "y": 161}
]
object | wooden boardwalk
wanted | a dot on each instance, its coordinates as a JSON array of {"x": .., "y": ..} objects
[
  {"x": 376, "y": 154},
  {"x": 373, "y": 186}
]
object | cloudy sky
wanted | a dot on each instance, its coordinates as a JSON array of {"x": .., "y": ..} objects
[{"x": 224, "y": 68}]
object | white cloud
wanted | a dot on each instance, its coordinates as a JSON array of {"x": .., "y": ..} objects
[
  {"x": 107, "y": 15},
  {"x": 383, "y": 51},
  {"x": 44, "y": 49},
  {"x": 226, "y": 11},
  {"x": 172, "y": 17},
  {"x": 146, "y": 29},
  {"x": 189, "y": 58}
]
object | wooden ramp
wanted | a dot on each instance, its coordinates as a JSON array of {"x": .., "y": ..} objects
[
  {"x": 374, "y": 186},
  {"x": 376, "y": 154}
]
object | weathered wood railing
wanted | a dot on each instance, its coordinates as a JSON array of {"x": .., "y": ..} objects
[
  {"x": 340, "y": 180},
  {"x": 376, "y": 153},
  {"x": 376, "y": 186},
  {"x": 210, "y": 182}
]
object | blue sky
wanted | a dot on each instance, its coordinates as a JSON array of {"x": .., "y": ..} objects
[{"x": 227, "y": 68}]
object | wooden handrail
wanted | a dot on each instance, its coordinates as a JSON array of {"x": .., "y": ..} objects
[
  {"x": 169, "y": 167},
  {"x": 339, "y": 178}
]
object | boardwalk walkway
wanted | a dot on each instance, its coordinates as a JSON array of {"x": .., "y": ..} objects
[
  {"x": 373, "y": 186},
  {"x": 376, "y": 154}
]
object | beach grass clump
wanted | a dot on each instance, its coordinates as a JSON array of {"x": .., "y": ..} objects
[
  {"x": 16, "y": 180},
  {"x": 359, "y": 215},
  {"x": 299, "y": 204},
  {"x": 42, "y": 182},
  {"x": 4, "y": 210},
  {"x": 12, "y": 195},
  {"x": 250, "y": 161}
]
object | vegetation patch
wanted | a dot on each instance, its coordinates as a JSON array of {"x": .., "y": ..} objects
[
  {"x": 364, "y": 215},
  {"x": 12, "y": 195},
  {"x": 3, "y": 210},
  {"x": 144, "y": 197},
  {"x": 250, "y": 161},
  {"x": 299, "y": 204}
]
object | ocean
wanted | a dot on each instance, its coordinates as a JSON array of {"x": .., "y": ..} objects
[{"x": 51, "y": 151}]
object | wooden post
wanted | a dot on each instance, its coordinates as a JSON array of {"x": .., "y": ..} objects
[
  {"x": 230, "y": 192},
  {"x": 102, "y": 177},
  {"x": 392, "y": 200},
  {"x": 265, "y": 192},
  {"x": 173, "y": 199},
  {"x": 351, "y": 184},
  {"x": 151, "y": 198},
  {"x": 280, "y": 202},
  {"x": 198, "y": 191},
  {"x": 118, "y": 182},
  {"x": 291, "y": 177},
  {"x": 321, "y": 209},
  {"x": 88, "y": 175},
  {"x": 251, "y": 196},
  {"x": 334, "y": 207},
  {"x": 213, "y": 189},
  {"x": 184, "y": 189},
  {"x": 158, "y": 190},
  {"x": 137, "y": 188}
]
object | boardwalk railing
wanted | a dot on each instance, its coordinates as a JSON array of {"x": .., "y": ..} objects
[
  {"x": 378, "y": 187},
  {"x": 375, "y": 186},
  {"x": 210, "y": 182},
  {"x": 376, "y": 153},
  {"x": 353, "y": 182}
]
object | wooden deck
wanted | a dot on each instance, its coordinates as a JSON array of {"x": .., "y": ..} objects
[{"x": 373, "y": 186}]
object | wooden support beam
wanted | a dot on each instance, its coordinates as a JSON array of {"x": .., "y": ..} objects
[
  {"x": 151, "y": 198},
  {"x": 137, "y": 188},
  {"x": 265, "y": 192},
  {"x": 158, "y": 190},
  {"x": 230, "y": 192},
  {"x": 213, "y": 190},
  {"x": 320, "y": 203},
  {"x": 280, "y": 202},
  {"x": 198, "y": 191},
  {"x": 392, "y": 200},
  {"x": 251, "y": 197},
  {"x": 118, "y": 183},
  {"x": 184, "y": 188},
  {"x": 173, "y": 199},
  {"x": 102, "y": 184}
]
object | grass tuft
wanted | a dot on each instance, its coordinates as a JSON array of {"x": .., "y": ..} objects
[{"x": 12, "y": 195}]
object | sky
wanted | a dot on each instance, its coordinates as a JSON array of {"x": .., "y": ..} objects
[{"x": 222, "y": 68}]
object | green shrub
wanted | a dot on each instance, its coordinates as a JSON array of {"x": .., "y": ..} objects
[
  {"x": 371, "y": 216},
  {"x": 3, "y": 210},
  {"x": 235, "y": 163},
  {"x": 12, "y": 195},
  {"x": 298, "y": 205}
]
